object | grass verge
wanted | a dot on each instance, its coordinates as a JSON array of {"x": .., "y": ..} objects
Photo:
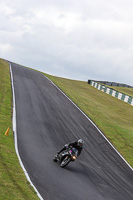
[
  {"x": 13, "y": 183},
  {"x": 112, "y": 116}
]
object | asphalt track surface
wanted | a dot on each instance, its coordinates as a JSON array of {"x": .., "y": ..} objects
[{"x": 46, "y": 120}]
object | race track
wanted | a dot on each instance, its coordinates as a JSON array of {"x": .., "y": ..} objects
[{"x": 46, "y": 120}]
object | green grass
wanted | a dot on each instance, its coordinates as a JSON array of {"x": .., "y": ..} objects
[
  {"x": 13, "y": 183},
  {"x": 112, "y": 116}
]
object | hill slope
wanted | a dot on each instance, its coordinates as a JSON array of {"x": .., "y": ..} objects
[{"x": 112, "y": 116}]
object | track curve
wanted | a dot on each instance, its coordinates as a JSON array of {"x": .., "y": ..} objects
[{"x": 46, "y": 120}]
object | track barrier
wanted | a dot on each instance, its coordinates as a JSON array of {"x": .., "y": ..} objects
[{"x": 112, "y": 92}]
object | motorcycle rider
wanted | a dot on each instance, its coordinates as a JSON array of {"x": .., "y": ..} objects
[{"x": 77, "y": 144}]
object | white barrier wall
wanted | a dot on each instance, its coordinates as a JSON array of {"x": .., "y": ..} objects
[{"x": 112, "y": 92}]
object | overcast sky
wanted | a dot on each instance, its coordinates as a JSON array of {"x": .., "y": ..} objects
[{"x": 76, "y": 39}]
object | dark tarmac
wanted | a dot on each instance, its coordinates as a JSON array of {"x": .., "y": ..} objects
[{"x": 46, "y": 120}]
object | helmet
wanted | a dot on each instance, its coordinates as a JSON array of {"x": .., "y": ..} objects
[{"x": 80, "y": 142}]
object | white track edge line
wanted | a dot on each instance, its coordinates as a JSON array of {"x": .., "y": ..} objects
[
  {"x": 92, "y": 123},
  {"x": 15, "y": 136}
]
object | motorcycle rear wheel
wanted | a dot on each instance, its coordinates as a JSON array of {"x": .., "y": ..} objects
[{"x": 65, "y": 161}]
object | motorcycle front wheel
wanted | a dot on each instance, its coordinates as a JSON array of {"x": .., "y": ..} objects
[{"x": 65, "y": 161}]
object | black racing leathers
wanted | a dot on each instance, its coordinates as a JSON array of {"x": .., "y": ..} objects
[{"x": 72, "y": 144}]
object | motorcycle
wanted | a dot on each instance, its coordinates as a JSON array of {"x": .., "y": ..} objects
[{"x": 65, "y": 157}]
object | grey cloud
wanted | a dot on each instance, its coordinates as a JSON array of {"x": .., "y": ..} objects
[{"x": 74, "y": 39}]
